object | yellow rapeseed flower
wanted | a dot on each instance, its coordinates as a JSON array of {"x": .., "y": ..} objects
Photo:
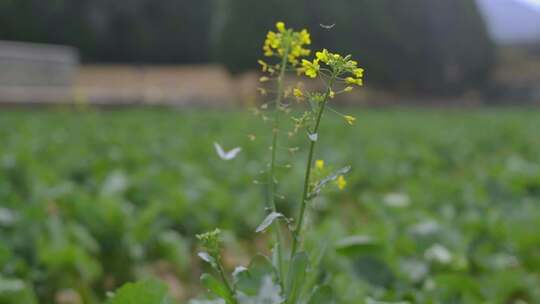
[
  {"x": 323, "y": 56},
  {"x": 273, "y": 41},
  {"x": 311, "y": 69},
  {"x": 298, "y": 93},
  {"x": 351, "y": 80},
  {"x": 332, "y": 94},
  {"x": 358, "y": 72},
  {"x": 286, "y": 42},
  {"x": 264, "y": 65},
  {"x": 267, "y": 50},
  {"x": 319, "y": 164},
  {"x": 341, "y": 182},
  {"x": 264, "y": 79},
  {"x": 280, "y": 26},
  {"x": 348, "y": 89},
  {"x": 349, "y": 119},
  {"x": 305, "y": 38}
]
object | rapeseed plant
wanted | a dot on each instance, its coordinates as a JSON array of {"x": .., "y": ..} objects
[{"x": 285, "y": 279}]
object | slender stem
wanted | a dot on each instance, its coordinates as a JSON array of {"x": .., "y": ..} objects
[
  {"x": 303, "y": 203},
  {"x": 272, "y": 172},
  {"x": 221, "y": 273}
]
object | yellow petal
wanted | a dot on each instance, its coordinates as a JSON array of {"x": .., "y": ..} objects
[
  {"x": 350, "y": 119},
  {"x": 280, "y": 26},
  {"x": 341, "y": 182}
]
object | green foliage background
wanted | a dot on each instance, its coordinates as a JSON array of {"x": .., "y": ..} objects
[{"x": 91, "y": 200}]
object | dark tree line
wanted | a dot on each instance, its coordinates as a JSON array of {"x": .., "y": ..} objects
[
  {"x": 165, "y": 31},
  {"x": 426, "y": 46}
]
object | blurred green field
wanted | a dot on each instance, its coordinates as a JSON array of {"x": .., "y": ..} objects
[{"x": 447, "y": 202}]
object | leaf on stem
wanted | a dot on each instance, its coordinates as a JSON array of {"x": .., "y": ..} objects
[
  {"x": 322, "y": 295},
  {"x": 297, "y": 273},
  {"x": 238, "y": 271},
  {"x": 268, "y": 221},
  {"x": 143, "y": 292},
  {"x": 216, "y": 287},
  {"x": 330, "y": 178},
  {"x": 205, "y": 256}
]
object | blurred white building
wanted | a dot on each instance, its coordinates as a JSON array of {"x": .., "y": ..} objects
[{"x": 31, "y": 72}]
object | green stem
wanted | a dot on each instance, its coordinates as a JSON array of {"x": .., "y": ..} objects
[
  {"x": 221, "y": 273},
  {"x": 272, "y": 173},
  {"x": 305, "y": 192}
]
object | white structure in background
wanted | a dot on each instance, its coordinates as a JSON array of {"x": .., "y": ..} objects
[
  {"x": 34, "y": 73},
  {"x": 512, "y": 21}
]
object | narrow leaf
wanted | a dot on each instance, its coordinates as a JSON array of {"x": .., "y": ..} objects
[
  {"x": 216, "y": 287},
  {"x": 268, "y": 221},
  {"x": 238, "y": 272},
  {"x": 144, "y": 292},
  {"x": 322, "y": 295},
  {"x": 205, "y": 256},
  {"x": 297, "y": 274},
  {"x": 332, "y": 177}
]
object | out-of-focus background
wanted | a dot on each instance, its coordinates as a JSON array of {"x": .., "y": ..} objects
[
  {"x": 109, "y": 111},
  {"x": 204, "y": 52}
]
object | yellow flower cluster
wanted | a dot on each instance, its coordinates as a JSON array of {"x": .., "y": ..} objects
[
  {"x": 311, "y": 69},
  {"x": 298, "y": 94},
  {"x": 349, "y": 119},
  {"x": 351, "y": 80},
  {"x": 287, "y": 42},
  {"x": 337, "y": 63}
]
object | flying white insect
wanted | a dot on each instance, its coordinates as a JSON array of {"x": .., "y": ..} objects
[
  {"x": 226, "y": 155},
  {"x": 324, "y": 26}
]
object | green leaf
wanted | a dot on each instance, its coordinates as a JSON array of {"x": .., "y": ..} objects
[
  {"x": 15, "y": 291},
  {"x": 297, "y": 274},
  {"x": 268, "y": 221},
  {"x": 238, "y": 272},
  {"x": 250, "y": 281},
  {"x": 372, "y": 301},
  {"x": 357, "y": 245},
  {"x": 144, "y": 292},
  {"x": 205, "y": 256},
  {"x": 323, "y": 182},
  {"x": 322, "y": 295},
  {"x": 206, "y": 301},
  {"x": 270, "y": 292},
  {"x": 216, "y": 287}
]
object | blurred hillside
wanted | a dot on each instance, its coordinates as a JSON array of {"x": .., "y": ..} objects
[
  {"x": 417, "y": 47},
  {"x": 414, "y": 49}
]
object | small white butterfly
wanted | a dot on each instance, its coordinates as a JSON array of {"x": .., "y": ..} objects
[
  {"x": 226, "y": 155},
  {"x": 313, "y": 136},
  {"x": 327, "y": 26}
]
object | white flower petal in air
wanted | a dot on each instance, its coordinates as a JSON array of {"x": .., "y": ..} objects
[
  {"x": 438, "y": 253},
  {"x": 425, "y": 228},
  {"x": 397, "y": 200},
  {"x": 226, "y": 155}
]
